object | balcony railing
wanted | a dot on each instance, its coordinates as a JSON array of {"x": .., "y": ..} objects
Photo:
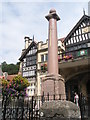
[
  {"x": 67, "y": 56},
  {"x": 71, "y": 55}
]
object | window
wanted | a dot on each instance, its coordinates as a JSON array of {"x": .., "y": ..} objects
[
  {"x": 31, "y": 60},
  {"x": 46, "y": 57},
  {"x": 42, "y": 58},
  {"x": 34, "y": 62},
  {"x": 84, "y": 45},
  {"x": 88, "y": 44},
  {"x": 75, "y": 47},
  {"x": 70, "y": 49},
  {"x": 89, "y": 35},
  {"x": 79, "y": 46}
]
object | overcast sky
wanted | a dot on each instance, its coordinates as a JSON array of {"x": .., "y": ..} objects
[{"x": 22, "y": 18}]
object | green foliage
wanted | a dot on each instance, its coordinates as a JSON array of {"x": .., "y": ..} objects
[
  {"x": 16, "y": 87},
  {"x": 5, "y": 83},
  {"x": 20, "y": 83},
  {"x": 10, "y": 68},
  {"x": 44, "y": 67}
]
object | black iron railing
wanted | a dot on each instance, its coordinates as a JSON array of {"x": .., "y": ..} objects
[
  {"x": 84, "y": 103},
  {"x": 27, "y": 108}
]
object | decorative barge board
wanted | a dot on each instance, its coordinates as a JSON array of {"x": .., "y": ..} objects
[{"x": 78, "y": 40}]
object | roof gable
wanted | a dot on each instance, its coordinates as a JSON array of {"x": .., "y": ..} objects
[
  {"x": 80, "y": 23},
  {"x": 27, "y": 50}
]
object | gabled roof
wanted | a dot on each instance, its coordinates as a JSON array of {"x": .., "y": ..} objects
[
  {"x": 10, "y": 77},
  {"x": 26, "y": 51},
  {"x": 76, "y": 26}
]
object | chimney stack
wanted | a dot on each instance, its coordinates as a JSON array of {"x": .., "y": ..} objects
[{"x": 27, "y": 41}]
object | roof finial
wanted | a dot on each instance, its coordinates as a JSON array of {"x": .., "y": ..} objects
[
  {"x": 33, "y": 38},
  {"x": 83, "y": 11}
]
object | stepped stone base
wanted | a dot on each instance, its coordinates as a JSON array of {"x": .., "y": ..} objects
[{"x": 59, "y": 110}]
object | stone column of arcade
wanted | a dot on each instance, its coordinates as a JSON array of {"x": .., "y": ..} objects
[{"x": 53, "y": 83}]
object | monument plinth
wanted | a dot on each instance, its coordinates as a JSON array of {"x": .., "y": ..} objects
[{"x": 53, "y": 83}]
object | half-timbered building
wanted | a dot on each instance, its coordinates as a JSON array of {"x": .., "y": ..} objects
[
  {"x": 74, "y": 65},
  {"x": 77, "y": 42},
  {"x": 29, "y": 66}
]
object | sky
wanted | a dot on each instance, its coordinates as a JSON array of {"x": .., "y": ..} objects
[{"x": 20, "y": 18}]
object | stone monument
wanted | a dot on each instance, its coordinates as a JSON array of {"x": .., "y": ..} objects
[{"x": 53, "y": 83}]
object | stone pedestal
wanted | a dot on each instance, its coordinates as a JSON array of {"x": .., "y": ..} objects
[
  {"x": 59, "y": 110},
  {"x": 54, "y": 85}
]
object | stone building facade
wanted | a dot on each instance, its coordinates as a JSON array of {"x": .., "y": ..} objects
[
  {"x": 40, "y": 67},
  {"x": 42, "y": 58}
]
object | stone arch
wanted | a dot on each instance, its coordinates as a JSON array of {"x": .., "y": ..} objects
[
  {"x": 76, "y": 74},
  {"x": 77, "y": 82}
]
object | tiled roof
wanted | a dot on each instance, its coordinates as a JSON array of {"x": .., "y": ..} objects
[
  {"x": 62, "y": 39},
  {"x": 10, "y": 77}
]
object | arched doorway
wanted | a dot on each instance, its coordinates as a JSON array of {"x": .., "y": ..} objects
[
  {"x": 80, "y": 84},
  {"x": 71, "y": 87}
]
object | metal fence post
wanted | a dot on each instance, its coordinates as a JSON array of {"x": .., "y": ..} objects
[
  {"x": 32, "y": 109},
  {"x": 22, "y": 107},
  {"x": 42, "y": 97},
  {"x": 54, "y": 97},
  {"x": 59, "y": 96},
  {"x": 4, "y": 110},
  {"x": 16, "y": 117},
  {"x": 48, "y": 96}
]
